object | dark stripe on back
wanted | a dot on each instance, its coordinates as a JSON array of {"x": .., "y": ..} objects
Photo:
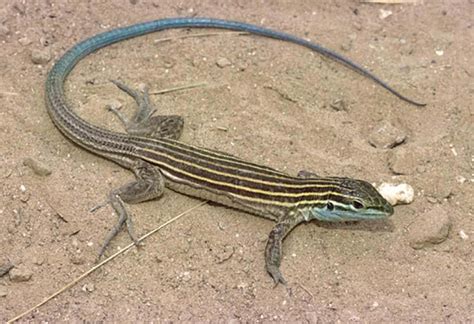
[
  {"x": 233, "y": 185},
  {"x": 232, "y": 166},
  {"x": 206, "y": 154}
]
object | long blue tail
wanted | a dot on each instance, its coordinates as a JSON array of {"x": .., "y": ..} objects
[{"x": 65, "y": 64}]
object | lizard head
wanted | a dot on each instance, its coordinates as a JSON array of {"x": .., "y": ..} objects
[{"x": 353, "y": 200}]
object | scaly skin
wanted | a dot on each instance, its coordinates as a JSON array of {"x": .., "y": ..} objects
[{"x": 205, "y": 173}]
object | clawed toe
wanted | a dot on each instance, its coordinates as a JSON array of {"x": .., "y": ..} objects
[{"x": 275, "y": 273}]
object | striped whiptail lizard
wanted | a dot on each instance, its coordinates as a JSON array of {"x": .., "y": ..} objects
[{"x": 158, "y": 160}]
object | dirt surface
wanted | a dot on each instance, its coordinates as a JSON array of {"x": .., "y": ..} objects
[{"x": 268, "y": 102}]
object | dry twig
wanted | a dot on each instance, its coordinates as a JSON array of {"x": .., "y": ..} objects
[{"x": 110, "y": 258}]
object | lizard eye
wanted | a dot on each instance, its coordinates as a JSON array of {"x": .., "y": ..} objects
[
  {"x": 330, "y": 205},
  {"x": 357, "y": 204}
]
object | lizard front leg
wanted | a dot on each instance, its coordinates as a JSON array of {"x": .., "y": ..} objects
[{"x": 273, "y": 250}]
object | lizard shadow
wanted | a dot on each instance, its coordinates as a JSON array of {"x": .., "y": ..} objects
[{"x": 381, "y": 225}]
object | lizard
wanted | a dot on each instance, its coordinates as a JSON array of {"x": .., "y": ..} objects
[{"x": 152, "y": 151}]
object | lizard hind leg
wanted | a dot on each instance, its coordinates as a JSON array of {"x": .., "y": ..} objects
[
  {"x": 149, "y": 184},
  {"x": 143, "y": 122}
]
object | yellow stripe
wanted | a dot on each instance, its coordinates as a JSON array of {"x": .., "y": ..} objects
[
  {"x": 224, "y": 157},
  {"x": 265, "y": 201},
  {"x": 255, "y": 180},
  {"x": 226, "y": 184}
]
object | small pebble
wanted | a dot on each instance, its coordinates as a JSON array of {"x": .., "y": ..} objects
[
  {"x": 41, "y": 56},
  {"x": 168, "y": 62},
  {"x": 91, "y": 81},
  {"x": 346, "y": 46},
  {"x": 404, "y": 160},
  {"x": 223, "y": 62},
  {"x": 44, "y": 41},
  {"x": 20, "y": 274},
  {"x": 385, "y": 13},
  {"x": 223, "y": 254},
  {"x": 142, "y": 87},
  {"x": 3, "y": 291},
  {"x": 242, "y": 285},
  {"x": 25, "y": 41},
  {"x": 440, "y": 188},
  {"x": 387, "y": 136},
  {"x": 25, "y": 197},
  {"x": 77, "y": 259},
  {"x": 338, "y": 105},
  {"x": 88, "y": 287},
  {"x": 113, "y": 104},
  {"x": 185, "y": 276},
  {"x": 37, "y": 260},
  {"x": 242, "y": 66},
  {"x": 460, "y": 179},
  {"x": 429, "y": 228},
  {"x": 37, "y": 167},
  {"x": 463, "y": 235},
  {"x": 397, "y": 194},
  {"x": 374, "y": 306},
  {"x": 432, "y": 200}
]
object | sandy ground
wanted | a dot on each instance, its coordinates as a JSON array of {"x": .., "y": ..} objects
[{"x": 268, "y": 102}]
